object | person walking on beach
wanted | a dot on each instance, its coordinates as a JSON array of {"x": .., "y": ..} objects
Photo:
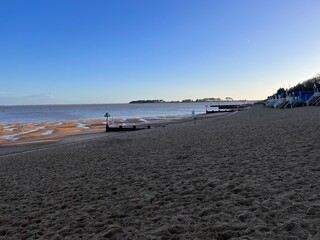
[
  {"x": 194, "y": 117},
  {"x": 21, "y": 127}
]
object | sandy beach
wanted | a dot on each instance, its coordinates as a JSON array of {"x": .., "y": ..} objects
[{"x": 249, "y": 175}]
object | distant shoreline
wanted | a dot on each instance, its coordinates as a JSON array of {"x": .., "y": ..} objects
[
  {"x": 99, "y": 104},
  {"x": 189, "y": 101},
  {"x": 58, "y": 113}
]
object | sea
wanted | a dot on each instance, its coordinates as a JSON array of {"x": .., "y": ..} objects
[{"x": 60, "y": 113}]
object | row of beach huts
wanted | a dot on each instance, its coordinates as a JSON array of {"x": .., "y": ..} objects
[{"x": 294, "y": 99}]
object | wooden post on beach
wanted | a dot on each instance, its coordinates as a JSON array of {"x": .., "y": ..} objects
[{"x": 107, "y": 115}]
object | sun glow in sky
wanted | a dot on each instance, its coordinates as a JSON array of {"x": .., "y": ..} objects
[{"x": 76, "y": 51}]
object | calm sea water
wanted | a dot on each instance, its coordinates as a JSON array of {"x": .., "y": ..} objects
[{"x": 56, "y": 113}]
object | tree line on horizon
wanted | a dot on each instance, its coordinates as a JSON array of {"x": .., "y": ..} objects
[
  {"x": 183, "y": 101},
  {"x": 305, "y": 86}
]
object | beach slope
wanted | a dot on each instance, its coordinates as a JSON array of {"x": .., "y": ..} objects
[{"x": 250, "y": 175}]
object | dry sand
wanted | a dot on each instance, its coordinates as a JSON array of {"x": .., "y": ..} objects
[{"x": 252, "y": 175}]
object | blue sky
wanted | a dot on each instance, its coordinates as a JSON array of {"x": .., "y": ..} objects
[{"x": 76, "y": 51}]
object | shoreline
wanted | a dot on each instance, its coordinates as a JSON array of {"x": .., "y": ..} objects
[
  {"x": 11, "y": 133},
  {"x": 73, "y": 131}
]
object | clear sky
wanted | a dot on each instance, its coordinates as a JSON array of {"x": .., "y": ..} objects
[{"x": 76, "y": 51}]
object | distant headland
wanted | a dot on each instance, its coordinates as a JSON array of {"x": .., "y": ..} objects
[
  {"x": 147, "y": 101},
  {"x": 183, "y": 101}
]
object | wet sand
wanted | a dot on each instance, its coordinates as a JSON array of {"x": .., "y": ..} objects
[
  {"x": 15, "y": 139},
  {"x": 12, "y": 134},
  {"x": 249, "y": 175}
]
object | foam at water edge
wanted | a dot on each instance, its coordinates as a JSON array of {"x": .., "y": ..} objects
[
  {"x": 7, "y": 128},
  {"x": 143, "y": 120},
  {"x": 13, "y": 137},
  {"x": 47, "y": 132},
  {"x": 82, "y": 126}
]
